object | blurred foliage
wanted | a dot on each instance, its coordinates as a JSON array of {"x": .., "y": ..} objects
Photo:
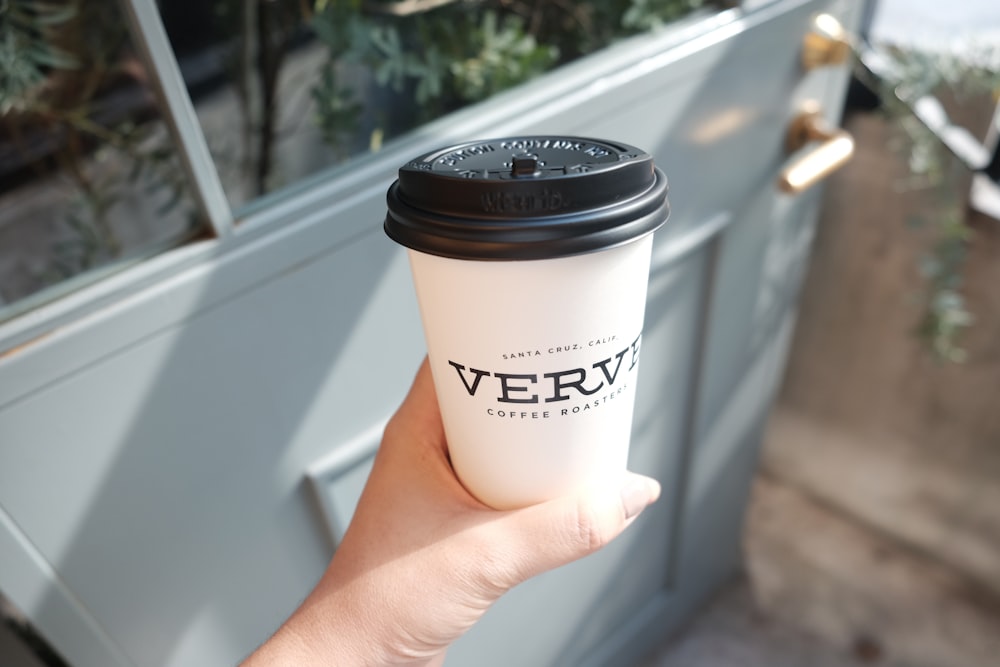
[
  {"x": 76, "y": 104},
  {"x": 945, "y": 313},
  {"x": 650, "y": 14},
  {"x": 25, "y": 51},
  {"x": 975, "y": 73},
  {"x": 461, "y": 61},
  {"x": 503, "y": 55},
  {"x": 461, "y": 52},
  {"x": 61, "y": 63}
]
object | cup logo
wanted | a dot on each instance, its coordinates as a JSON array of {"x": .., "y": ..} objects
[{"x": 607, "y": 375}]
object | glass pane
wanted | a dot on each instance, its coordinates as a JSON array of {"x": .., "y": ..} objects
[
  {"x": 89, "y": 180},
  {"x": 284, "y": 88}
]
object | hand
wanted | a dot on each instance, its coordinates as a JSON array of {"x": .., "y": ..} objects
[{"x": 422, "y": 559}]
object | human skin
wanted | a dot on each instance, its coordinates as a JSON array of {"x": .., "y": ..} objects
[{"x": 423, "y": 559}]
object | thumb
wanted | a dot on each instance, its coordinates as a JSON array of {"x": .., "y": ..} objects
[{"x": 560, "y": 531}]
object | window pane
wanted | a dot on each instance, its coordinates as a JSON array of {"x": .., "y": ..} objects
[
  {"x": 284, "y": 88},
  {"x": 89, "y": 180}
]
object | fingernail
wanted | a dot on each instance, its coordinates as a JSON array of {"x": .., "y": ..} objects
[{"x": 638, "y": 492}]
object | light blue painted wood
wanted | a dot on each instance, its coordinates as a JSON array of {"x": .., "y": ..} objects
[
  {"x": 175, "y": 470},
  {"x": 762, "y": 256},
  {"x": 168, "y": 448},
  {"x": 34, "y": 587},
  {"x": 338, "y": 479}
]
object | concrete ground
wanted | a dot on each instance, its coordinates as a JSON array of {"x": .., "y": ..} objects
[{"x": 857, "y": 553}]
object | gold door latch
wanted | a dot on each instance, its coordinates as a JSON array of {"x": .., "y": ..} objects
[
  {"x": 827, "y": 43},
  {"x": 835, "y": 149}
]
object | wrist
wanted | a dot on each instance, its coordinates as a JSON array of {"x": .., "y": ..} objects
[
  {"x": 323, "y": 631},
  {"x": 342, "y": 626}
]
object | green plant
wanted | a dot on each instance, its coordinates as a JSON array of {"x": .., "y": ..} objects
[
  {"x": 649, "y": 14},
  {"x": 462, "y": 52},
  {"x": 63, "y": 67},
  {"x": 503, "y": 54},
  {"x": 938, "y": 173},
  {"x": 945, "y": 313},
  {"x": 26, "y": 52},
  {"x": 465, "y": 59},
  {"x": 339, "y": 27}
]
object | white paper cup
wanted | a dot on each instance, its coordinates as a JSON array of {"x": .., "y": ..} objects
[{"x": 534, "y": 357}]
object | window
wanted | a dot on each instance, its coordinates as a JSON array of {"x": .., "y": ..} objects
[
  {"x": 119, "y": 142},
  {"x": 89, "y": 177},
  {"x": 311, "y": 85}
]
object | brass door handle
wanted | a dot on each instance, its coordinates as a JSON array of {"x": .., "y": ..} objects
[
  {"x": 835, "y": 149},
  {"x": 827, "y": 43}
]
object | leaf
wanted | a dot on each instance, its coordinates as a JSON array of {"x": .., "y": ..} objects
[
  {"x": 53, "y": 57},
  {"x": 53, "y": 14}
]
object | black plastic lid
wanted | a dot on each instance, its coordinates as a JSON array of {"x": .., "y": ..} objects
[{"x": 526, "y": 198}]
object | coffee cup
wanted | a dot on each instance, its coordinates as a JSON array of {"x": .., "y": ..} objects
[{"x": 530, "y": 258}]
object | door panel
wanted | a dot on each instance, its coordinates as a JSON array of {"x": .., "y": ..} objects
[
  {"x": 164, "y": 457},
  {"x": 760, "y": 265}
]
